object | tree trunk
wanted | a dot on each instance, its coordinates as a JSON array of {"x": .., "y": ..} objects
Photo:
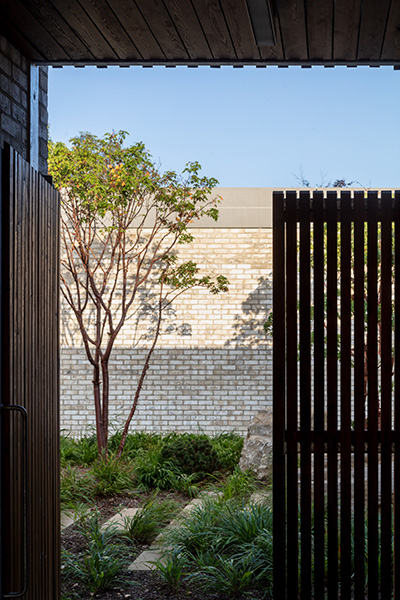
[
  {"x": 105, "y": 398},
  {"x": 98, "y": 410},
  {"x": 140, "y": 384}
]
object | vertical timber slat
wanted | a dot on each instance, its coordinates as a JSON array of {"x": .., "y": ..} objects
[
  {"x": 345, "y": 394},
  {"x": 386, "y": 394},
  {"x": 332, "y": 396},
  {"x": 372, "y": 390},
  {"x": 305, "y": 395},
  {"x": 291, "y": 358},
  {"x": 396, "y": 440},
  {"x": 319, "y": 397},
  {"x": 359, "y": 412},
  {"x": 279, "y": 399}
]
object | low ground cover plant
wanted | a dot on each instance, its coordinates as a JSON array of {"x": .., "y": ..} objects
[
  {"x": 223, "y": 545},
  {"x": 149, "y": 521},
  {"x": 103, "y": 559}
]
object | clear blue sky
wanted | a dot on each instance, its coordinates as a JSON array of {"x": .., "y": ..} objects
[{"x": 247, "y": 127}]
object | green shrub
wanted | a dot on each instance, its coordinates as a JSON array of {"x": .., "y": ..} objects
[
  {"x": 112, "y": 477},
  {"x": 192, "y": 454},
  {"x": 152, "y": 473},
  {"x": 228, "y": 446}
]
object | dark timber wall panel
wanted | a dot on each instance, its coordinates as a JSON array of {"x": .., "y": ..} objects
[
  {"x": 336, "y": 395},
  {"x": 30, "y": 515}
]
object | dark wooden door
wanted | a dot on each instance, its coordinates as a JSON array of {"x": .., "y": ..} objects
[{"x": 30, "y": 521}]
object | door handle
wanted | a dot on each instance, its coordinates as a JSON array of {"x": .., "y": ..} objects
[{"x": 23, "y": 412}]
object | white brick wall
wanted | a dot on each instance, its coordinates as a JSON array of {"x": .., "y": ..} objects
[{"x": 213, "y": 365}]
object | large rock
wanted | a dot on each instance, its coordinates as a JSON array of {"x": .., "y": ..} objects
[{"x": 257, "y": 448}]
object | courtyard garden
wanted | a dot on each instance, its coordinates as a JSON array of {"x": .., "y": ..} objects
[{"x": 173, "y": 517}]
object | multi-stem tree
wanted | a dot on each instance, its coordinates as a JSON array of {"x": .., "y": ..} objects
[{"x": 122, "y": 221}]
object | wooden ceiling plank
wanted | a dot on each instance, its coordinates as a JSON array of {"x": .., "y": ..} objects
[
  {"x": 293, "y": 28},
  {"x": 215, "y": 28},
  {"x": 84, "y": 27},
  {"x": 163, "y": 28},
  {"x": 372, "y": 29},
  {"x": 137, "y": 29},
  {"x": 19, "y": 40},
  {"x": 239, "y": 24},
  {"x": 345, "y": 38},
  {"x": 319, "y": 29},
  {"x": 189, "y": 29},
  {"x": 106, "y": 21},
  {"x": 274, "y": 53},
  {"x": 55, "y": 24},
  {"x": 391, "y": 44},
  {"x": 36, "y": 34}
]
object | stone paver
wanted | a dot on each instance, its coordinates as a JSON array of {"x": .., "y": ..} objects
[
  {"x": 260, "y": 497},
  {"x": 119, "y": 519},
  {"x": 144, "y": 560},
  {"x": 67, "y": 519}
]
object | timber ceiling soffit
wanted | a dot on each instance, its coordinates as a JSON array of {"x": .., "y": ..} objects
[{"x": 204, "y": 32}]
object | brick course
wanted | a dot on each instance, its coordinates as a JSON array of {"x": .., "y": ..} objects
[{"x": 213, "y": 364}]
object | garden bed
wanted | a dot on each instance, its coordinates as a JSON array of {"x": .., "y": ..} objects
[{"x": 219, "y": 550}]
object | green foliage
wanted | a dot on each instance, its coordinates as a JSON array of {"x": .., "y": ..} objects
[
  {"x": 76, "y": 486},
  {"x": 113, "y": 476},
  {"x": 228, "y": 446},
  {"x": 238, "y": 485},
  {"x": 136, "y": 443},
  {"x": 108, "y": 190},
  {"x": 192, "y": 454},
  {"x": 148, "y": 522},
  {"x": 226, "y": 575},
  {"x": 143, "y": 465},
  {"x": 78, "y": 452},
  {"x": 172, "y": 568},
  {"x": 103, "y": 560},
  {"x": 225, "y": 546},
  {"x": 151, "y": 472}
]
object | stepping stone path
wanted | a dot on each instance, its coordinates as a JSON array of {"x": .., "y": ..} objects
[{"x": 145, "y": 560}]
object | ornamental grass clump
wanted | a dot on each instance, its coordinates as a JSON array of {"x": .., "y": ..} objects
[
  {"x": 76, "y": 486},
  {"x": 112, "y": 476},
  {"x": 226, "y": 545},
  {"x": 148, "y": 522},
  {"x": 105, "y": 555}
]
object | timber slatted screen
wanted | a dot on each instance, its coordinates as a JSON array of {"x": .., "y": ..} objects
[
  {"x": 30, "y": 216},
  {"x": 336, "y": 471}
]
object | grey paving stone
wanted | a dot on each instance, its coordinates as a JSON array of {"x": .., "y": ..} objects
[
  {"x": 144, "y": 561},
  {"x": 118, "y": 519}
]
